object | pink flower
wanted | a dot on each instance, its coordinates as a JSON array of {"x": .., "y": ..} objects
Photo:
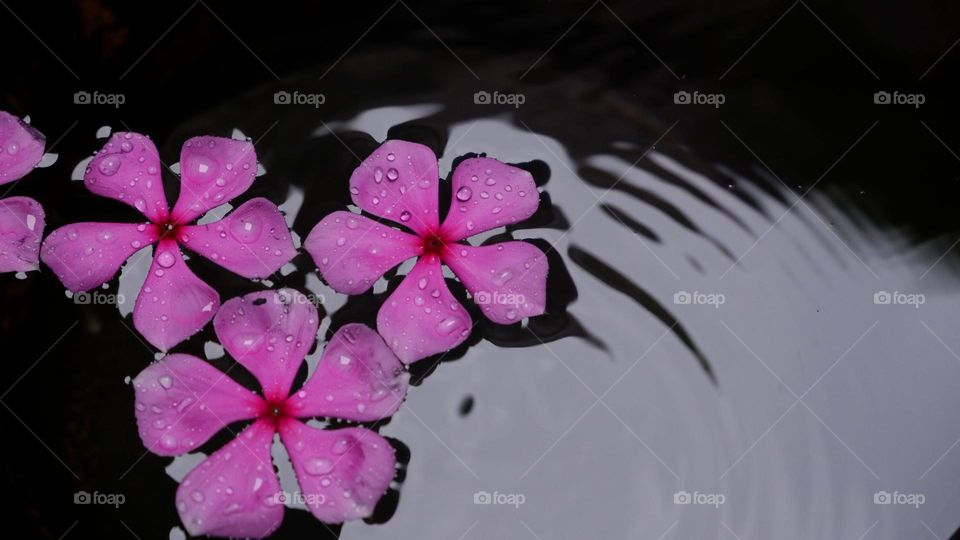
[
  {"x": 399, "y": 181},
  {"x": 253, "y": 241},
  {"x": 181, "y": 401},
  {"x": 21, "y": 218}
]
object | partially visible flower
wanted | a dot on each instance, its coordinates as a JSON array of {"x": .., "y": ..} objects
[
  {"x": 181, "y": 401},
  {"x": 399, "y": 181},
  {"x": 21, "y": 218},
  {"x": 253, "y": 241}
]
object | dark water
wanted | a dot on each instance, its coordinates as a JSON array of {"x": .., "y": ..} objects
[{"x": 797, "y": 399}]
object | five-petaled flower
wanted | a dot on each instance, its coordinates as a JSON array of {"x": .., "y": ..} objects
[
  {"x": 181, "y": 401},
  {"x": 400, "y": 181},
  {"x": 253, "y": 241},
  {"x": 21, "y": 218}
]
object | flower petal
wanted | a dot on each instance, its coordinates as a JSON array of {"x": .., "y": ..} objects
[
  {"x": 182, "y": 401},
  {"x": 173, "y": 304},
  {"x": 269, "y": 333},
  {"x": 421, "y": 317},
  {"x": 234, "y": 492},
  {"x": 358, "y": 378},
  {"x": 86, "y": 255},
  {"x": 488, "y": 194},
  {"x": 127, "y": 169},
  {"x": 213, "y": 170},
  {"x": 342, "y": 473},
  {"x": 398, "y": 181},
  {"x": 353, "y": 251},
  {"x": 252, "y": 241},
  {"x": 21, "y": 147},
  {"x": 21, "y": 227},
  {"x": 507, "y": 280}
]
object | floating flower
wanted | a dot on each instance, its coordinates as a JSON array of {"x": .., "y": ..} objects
[
  {"x": 21, "y": 218},
  {"x": 181, "y": 401},
  {"x": 399, "y": 181},
  {"x": 253, "y": 241}
]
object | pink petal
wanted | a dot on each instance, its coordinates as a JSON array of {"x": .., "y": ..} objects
[
  {"x": 507, "y": 280},
  {"x": 342, "y": 473},
  {"x": 358, "y": 378},
  {"x": 234, "y": 492},
  {"x": 252, "y": 241},
  {"x": 213, "y": 170},
  {"x": 182, "y": 401},
  {"x": 21, "y": 226},
  {"x": 398, "y": 181},
  {"x": 353, "y": 251},
  {"x": 269, "y": 333},
  {"x": 127, "y": 169},
  {"x": 86, "y": 255},
  {"x": 21, "y": 148},
  {"x": 488, "y": 194},
  {"x": 174, "y": 304},
  {"x": 421, "y": 317}
]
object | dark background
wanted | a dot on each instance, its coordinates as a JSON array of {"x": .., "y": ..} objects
[{"x": 799, "y": 96}]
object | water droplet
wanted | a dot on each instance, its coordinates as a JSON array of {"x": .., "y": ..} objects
[
  {"x": 340, "y": 446},
  {"x": 231, "y": 508},
  {"x": 318, "y": 466},
  {"x": 448, "y": 325},
  {"x": 166, "y": 259},
  {"x": 392, "y": 175},
  {"x": 106, "y": 237},
  {"x": 109, "y": 165},
  {"x": 341, "y": 241},
  {"x": 246, "y": 227},
  {"x": 197, "y": 496},
  {"x": 391, "y": 157},
  {"x": 165, "y": 381},
  {"x": 491, "y": 182},
  {"x": 405, "y": 216},
  {"x": 464, "y": 194}
]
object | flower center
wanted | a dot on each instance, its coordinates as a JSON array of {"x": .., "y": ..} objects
[
  {"x": 434, "y": 244},
  {"x": 274, "y": 411},
  {"x": 167, "y": 228}
]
